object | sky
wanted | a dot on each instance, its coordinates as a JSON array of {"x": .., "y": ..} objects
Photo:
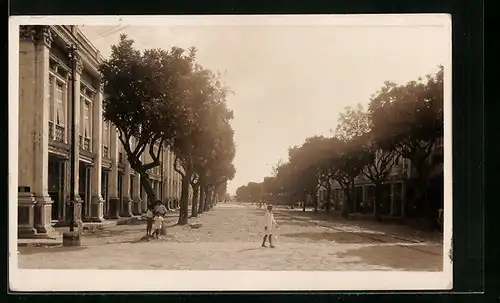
[{"x": 292, "y": 82}]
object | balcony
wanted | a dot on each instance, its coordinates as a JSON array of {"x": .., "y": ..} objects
[
  {"x": 57, "y": 133},
  {"x": 86, "y": 144},
  {"x": 105, "y": 152},
  {"x": 59, "y": 136}
]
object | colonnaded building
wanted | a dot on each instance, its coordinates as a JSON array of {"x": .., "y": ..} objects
[
  {"x": 395, "y": 191},
  {"x": 106, "y": 185}
]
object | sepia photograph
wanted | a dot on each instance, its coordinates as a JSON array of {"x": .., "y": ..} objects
[{"x": 195, "y": 153}]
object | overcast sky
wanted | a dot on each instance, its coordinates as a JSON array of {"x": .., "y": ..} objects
[{"x": 291, "y": 82}]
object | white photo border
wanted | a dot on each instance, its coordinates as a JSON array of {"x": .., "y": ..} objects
[{"x": 25, "y": 280}]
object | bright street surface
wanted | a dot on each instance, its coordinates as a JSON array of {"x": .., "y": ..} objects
[{"x": 230, "y": 239}]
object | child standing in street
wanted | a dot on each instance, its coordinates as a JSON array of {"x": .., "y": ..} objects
[
  {"x": 269, "y": 225},
  {"x": 149, "y": 221},
  {"x": 157, "y": 225}
]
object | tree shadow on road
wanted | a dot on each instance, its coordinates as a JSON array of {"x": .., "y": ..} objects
[
  {"x": 339, "y": 237},
  {"x": 249, "y": 249},
  {"x": 388, "y": 227}
]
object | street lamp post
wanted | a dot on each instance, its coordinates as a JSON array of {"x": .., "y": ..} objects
[
  {"x": 72, "y": 238},
  {"x": 72, "y": 56}
]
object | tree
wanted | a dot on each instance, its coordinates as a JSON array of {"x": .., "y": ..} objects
[
  {"x": 379, "y": 163},
  {"x": 242, "y": 193},
  {"x": 307, "y": 161},
  {"x": 409, "y": 120},
  {"x": 351, "y": 129},
  {"x": 141, "y": 101},
  {"x": 347, "y": 162},
  {"x": 353, "y": 123},
  {"x": 204, "y": 114}
]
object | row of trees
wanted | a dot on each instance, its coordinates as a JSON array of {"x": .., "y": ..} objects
[
  {"x": 160, "y": 99},
  {"x": 402, "y": 121}
]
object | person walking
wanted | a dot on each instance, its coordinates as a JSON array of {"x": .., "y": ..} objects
[{"x": 269, "y": 225}]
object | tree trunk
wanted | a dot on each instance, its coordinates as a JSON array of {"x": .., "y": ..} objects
[
  {"x": 353, "y": 207},
  {"x": 194, "y": 201},
  {"x": 328, "y": 198},
  {"x": 316, "y": 201},
  {"x": 345, "y": 204},
  {"x": 146, "y": 184},
  {"x": 214, "y": 199},
  {"x": 376, "y": 203},
  {"x": 201, "y": 206},
  {"x": 208, "y": 199},
  {"x": 183, "y": 211},
  {"x": 304, "y": 201}
]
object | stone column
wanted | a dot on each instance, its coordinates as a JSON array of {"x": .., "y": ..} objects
[
  {"x": 75, "y": 112},
  {"x": 393, "y": 198},
  {"x": 97, "y": 202},
  {"x": 127, "y": 201},
  {"x": 114, "y": 200},
  {"x": 43, "y": 206},
  {"x": 27, "y": 134},
  {"x": 144, "y": 204},
  {"x": 137, "y": 192}
]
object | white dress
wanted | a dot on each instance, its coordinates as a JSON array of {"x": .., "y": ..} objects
[{"x": 270, "y": 223}]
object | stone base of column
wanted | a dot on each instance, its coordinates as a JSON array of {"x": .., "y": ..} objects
[
  {"x": 136, "y": 209},
  {"x": 43, "y": 217},
  {"x": 114, "y": 203},
  {"x": 97, "y": 209},
  {"x": 26, "y": 215},
  {"x": 144, "y": 206},
  {"x": 127, "y": 208},
  {"x": 77, "y": 209}
]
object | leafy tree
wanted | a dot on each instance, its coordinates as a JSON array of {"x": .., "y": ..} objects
[
  {"x": 353, "y": 123},
  {"x": 142, "y": 101},
  {"x": 379, "y": 163},
  {"x": 307, "y": 161},
  {"x": 350, "y": 161},
  {"x": 203, "y": 114},
  {"x": 409, "y": 120},
  {"x": 347, "y": 162},
  {"x": 242, "y": 193},
  {"x": 220, "y": 169}
]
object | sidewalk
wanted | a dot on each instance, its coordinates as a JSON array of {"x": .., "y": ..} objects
[{"x": 88, "y": 228}]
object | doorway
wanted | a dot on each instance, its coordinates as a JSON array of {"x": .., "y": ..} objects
[
  {"x": 120, "y": 192},
  {"x": 56, "y": 186},
  {"x": 104, "y": 192}
]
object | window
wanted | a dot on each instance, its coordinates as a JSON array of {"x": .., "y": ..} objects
[
  {"x": 86, "y": 130},
  {"x": 60, "y": 116},
  {"x": 105, "y": 136},
  {"x": 51, "y": 98}
]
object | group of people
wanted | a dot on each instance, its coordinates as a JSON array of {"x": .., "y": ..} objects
[
  {"x": 155, "y": 217},
  {"x": 156, "y": 213}
]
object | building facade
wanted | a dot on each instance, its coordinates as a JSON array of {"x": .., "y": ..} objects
[
  {"x": 395, "y": 191},
  {"x": 106, "y": 187}
]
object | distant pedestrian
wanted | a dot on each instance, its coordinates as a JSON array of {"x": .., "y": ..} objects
[
  {"x": 149, "y": 221},
  {"x": 269, "y": 225},
  {"x": 157, "y": 225}
]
